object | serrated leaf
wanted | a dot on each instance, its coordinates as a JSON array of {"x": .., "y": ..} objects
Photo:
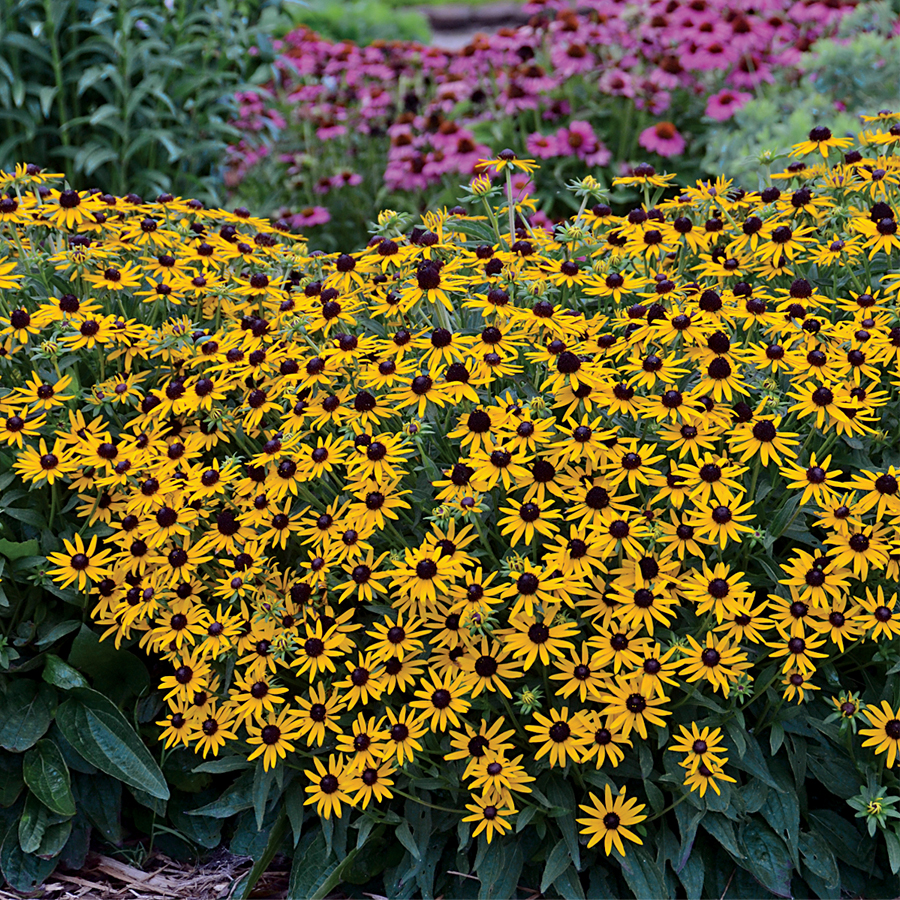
[
  {"x": 47, "y": 776},
  {"x": 100, "y": 734}
]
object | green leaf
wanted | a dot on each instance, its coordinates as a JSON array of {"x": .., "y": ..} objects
[
  {"x": 11, "y": 781},
  {"x": 23, "y": 871},
  {"x": 47, "y": 775},
  {"x": 560, "y": 793},
  {"x": 25, "y": 713},
  {"x": 692, "y": 876},
  {"x": 223, "y": 764},
  {"x": 116, "y": 674},
  {"x": 55, "y": 838},
  {"x": 101, "y": 735},
  {"x": 334, "y": 877},
  {"x": 818, "y": 857},
  {"x": 61, "y": 674},
  {"x": 405, "y": 836},
  {"x": 18, "y": 549},
  {"x": 767, "y": 858},
  {"x": 311, "y": 865},
  {"x": 262, "y": 785},
  {"x": 893, "y": 845},
  {"x": 782, "y": 812},
  {"x": 499, "y": 869},
  {"x": 294, "y": 798},
  {"x": 279, "y": 829},
  {"x": 776, "y": 737},
  {"x": 643, "y": 875},
  {"x": 723, "y": 831},
  {"x": 99, "y": 797},
  {"x": 236, "y": 798},
  {"x": 569, "y": 885},
  {"x": 688, "y": 820},
  {"x": 557, "y": 862},
  {"x": 33, "y": 823}
]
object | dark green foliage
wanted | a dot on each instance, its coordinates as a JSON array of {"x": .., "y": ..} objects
[{"x": 128, "y": 95}]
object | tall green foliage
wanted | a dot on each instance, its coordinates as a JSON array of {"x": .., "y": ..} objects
[{"x": 128, "y": 94}]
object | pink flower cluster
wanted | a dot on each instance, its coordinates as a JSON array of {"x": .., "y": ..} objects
[{"x": 568, "y": 85}]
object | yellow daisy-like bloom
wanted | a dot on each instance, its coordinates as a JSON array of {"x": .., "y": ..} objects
[
  {"x": 611, "y": 819},
  {"x": 79, "y": 564},
  {"x": 273, "y": 737},
  {"x": 884, "y": 735},
  {"x": 328, "y": 786}
]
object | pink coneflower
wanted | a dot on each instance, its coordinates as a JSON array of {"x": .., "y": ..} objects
[
  {"x": 578, "y": 139},
  {"x": 726, "y": 103},
  {"x": 310, "y": 216},
  {"x": 542, "y": 146},
  {"x": 662, "y": 138}
]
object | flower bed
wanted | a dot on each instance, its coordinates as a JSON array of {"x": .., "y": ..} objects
[
  {"x": 348, "y": 127},
  {"x": 514, "y": 557}
]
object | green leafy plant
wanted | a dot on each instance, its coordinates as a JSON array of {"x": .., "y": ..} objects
[{"x": 128, "y": 92}]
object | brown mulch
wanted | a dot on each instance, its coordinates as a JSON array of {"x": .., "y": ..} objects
[{"x": 105, "y": 878}]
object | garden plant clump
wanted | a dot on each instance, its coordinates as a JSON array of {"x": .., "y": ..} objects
[
  {"x": 481, "y": 558},
  {"x": 602, "y": 86}
]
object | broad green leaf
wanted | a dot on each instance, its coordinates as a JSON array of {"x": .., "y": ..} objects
[
  {"x": 61, "y": 674},
  {"x": 25, "y": 713},
  {"x": 499, "y": 869},
  {"x": 311, "y": 865},
  {"x": 642, "y": 874},
  {"x": 99, "y": 733},
  {"x": 279, "y": 829},
  {"x": 557, "y": 862},
  {"x": 782, "y": 812},
  {"x": 893, "y": 849},
  {"x": 55, "y": 838},
  {"x": 11, "y": 781},
  {"x": 692, "y": 876},
  {"x": 405, "y": 836},
  {"x": 13, "y": 550},
  {"x": 99, "y": 797},
  {"x": 236, "y": 798},
  {"x": 47, "y": 775},
  {"x": 767, "y": 858},
  {"x": 262, "y": 785},
  {"x": 688, "y": 820},
  {"x": 33, "y": 823},
  {"x": 23, "y": 871},
  {"x": 819, "y": 858},
  {"x": 560, "y": 793},
  {"x": 723, "y": 831},
  {"x": 569, "y": 885},
  {"x": 116, "y": 674}
]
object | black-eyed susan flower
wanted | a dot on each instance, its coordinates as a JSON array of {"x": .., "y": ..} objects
[
  {"x": 716, "y": 660},
  {"x": 328, "y": 786},
  {"x": 272, "y": 737},
  {"x": 611, "y": 819},
  {"x": 884, "y": 735}
]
